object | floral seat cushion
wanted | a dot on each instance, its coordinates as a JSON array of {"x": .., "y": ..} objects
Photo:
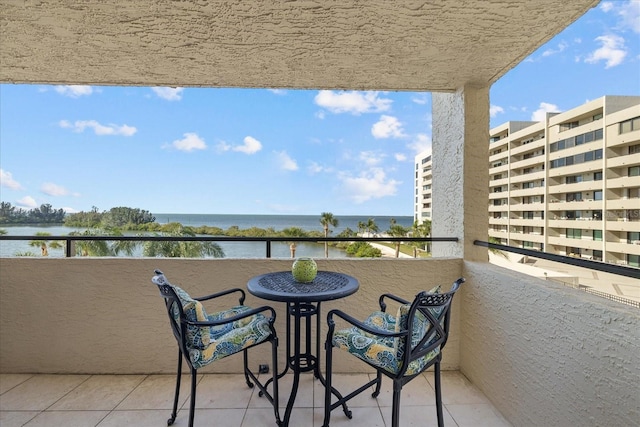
[
  {"x": 387, "y": 352},
  {"x": 209, "y": 343}
]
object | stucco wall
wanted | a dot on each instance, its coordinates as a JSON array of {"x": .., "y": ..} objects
[
  {"x": 78, "y": 315},
  {"x": 548, "y": 355}
]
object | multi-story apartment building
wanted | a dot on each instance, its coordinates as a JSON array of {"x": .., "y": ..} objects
[
  {"x": 569, "y": 185},
  {"x": 422, "y": 187}
]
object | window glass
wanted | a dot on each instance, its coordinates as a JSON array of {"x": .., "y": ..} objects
[
  {"x": 597, "y": 235},
  {"x": 598, "y": 134},
  {"x": 597, "y": 195},
  {"x": 597, "y": 176}
]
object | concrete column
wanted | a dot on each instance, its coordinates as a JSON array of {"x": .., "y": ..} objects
[{"x": 460, "y": 159}]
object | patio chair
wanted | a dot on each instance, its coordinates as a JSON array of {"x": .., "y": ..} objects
[
  {"x": 204, "y": 338},
  {"x": 399, "y": 346}
]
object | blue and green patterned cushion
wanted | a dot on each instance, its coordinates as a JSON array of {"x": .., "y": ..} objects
[
  {"x": 233, "y": 341},
  {"x": 210, "y": 343},
  {"x": 386, "y": 352}
]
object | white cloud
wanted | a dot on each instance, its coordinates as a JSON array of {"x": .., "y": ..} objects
[
  {"x": 612, "y": 51},
  {"x": 285, "y": 162},
  {"x": 70, "y": 210},
  {"x": 628, "y": 14},
  {"x": 541, "y": 113},
  {"x": 278, "y": 91},
  {"x": 27, "y": 202},
  {"x": 169, "y": 93},
  {"x": 6, "y": 180},
  {"x": 52, "y": 189},
  {"x": 315, "y": 168},
  {"x": 190, "y": 142},
  {"x": 387, "y": 127},
  {"x": 420, "y": 143},
  {"x": 370, "y": 158},
  {"x": 421, "y": 99},
  {"x": 352, "y": 102},
  {"x": 371, "y": 184},
  {"x": 80, "y": 125},
  {"x": 74, "y": 91},
  {"x": 400, "y": 157},
  {"x": 560, "y": 48},
  {"x": 250, "y": 146},
  {"x": 494, "y": 110},
  {"x": 320, "y": 115}
]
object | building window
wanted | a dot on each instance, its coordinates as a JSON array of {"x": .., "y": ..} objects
[
  {"x": 597, "y": 235},
  {"x": 597, "y": 176},
  {"x": 634, "y": 171},
  {"x": 597, "y": 195},
  {"x": 573, "y": 251},
  {"x": 573, "y": 179},
  {"x": 630, "y": 125},
  {"x": 574, "y": 233},
  {"x": 578, "y": 158},
  {"x": 573, "y": 197},
  {"x": 567, "y": 126},
  {"x": 633, "y": 193},
  {"x": 526, "y": 244},
  {"x": 597, "y": 255},
  {"x": 633, "y": 237},
  {"x": 529, "y": 184},
  {"x": 597, "y": 215},
  {"x": 527, "y": 214},
  {"x": 633, "y": 149},
  {"x": 597, "y": 117},
  {"x": 633, "y": 260}
]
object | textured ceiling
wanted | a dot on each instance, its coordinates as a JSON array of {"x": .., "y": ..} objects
[{"x": 429, "y": 45}]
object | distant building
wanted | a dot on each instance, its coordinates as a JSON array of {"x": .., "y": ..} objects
[
  {"x": 569, "y": 185},
  {"x": 422, "y": 187}
]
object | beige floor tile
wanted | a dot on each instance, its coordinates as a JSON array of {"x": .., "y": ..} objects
[
  {"x": 39, "y": 392},
  {"x": 67, "y": 419},
  {"x": 456, "y": 389},
  {"x": 212, "y": 417},
  {"x": 156, "y": 392},
  {"x": 16, "y": 418},
  {"x": 258, "y": 417},
  {"x": 477, "y": 415},
  {"x": 345, "y": 384},
  {"x": 99, "y": 392},
  {"x": 9, "y": 381},
  {"x": 223, "y": 391},
  {"x": 361, "y": 416},
  {"x": 416, "y": 392},
  {"x": 141, "y": 418},
  {"x": 418, "y": 416}
]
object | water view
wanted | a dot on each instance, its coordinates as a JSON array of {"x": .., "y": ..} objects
[{"x": 9, "y": 248}]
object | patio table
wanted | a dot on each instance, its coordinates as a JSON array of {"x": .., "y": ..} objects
[{"x": 303, "y": 302}]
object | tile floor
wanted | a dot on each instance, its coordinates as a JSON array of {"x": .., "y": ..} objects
[{"x": 225, "y": 400}]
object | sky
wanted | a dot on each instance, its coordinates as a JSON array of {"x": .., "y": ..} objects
[{"x": 289, "y": 152}]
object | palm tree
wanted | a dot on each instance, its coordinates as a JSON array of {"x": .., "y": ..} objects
[
  {"x": 293, "y": 232},
  {"x": 181, "y": 249},
  {"x": 371, "y": 226},
  {"x": 44, "y": 251},
  {"x": 396, "y": 230},
  {"x": 421, "y": 230},
  {"x": 327, "y": 220},
  {"x": 103, "y": 247}
]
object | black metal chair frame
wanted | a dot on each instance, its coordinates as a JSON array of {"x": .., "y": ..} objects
[
  {"x": 436, "y": 337},
  {"x": 180, "y": 333}
]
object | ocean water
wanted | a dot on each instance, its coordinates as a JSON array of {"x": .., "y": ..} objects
[{"x": 9, "y": 248}]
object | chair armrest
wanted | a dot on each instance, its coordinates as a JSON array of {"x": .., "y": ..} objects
[
  {"x": 223, "y": 293},
  {"x": 360, "y": 325},
  {"x": 243, "y": 315},
  {"x": 383, "y": 305}
]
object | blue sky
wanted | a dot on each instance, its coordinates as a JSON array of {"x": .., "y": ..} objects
[{"x": 246, "y": 151}]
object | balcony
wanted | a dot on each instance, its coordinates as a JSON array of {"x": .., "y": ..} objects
[{"x": 79, "y": 307}]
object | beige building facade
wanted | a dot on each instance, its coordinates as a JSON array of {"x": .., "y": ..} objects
[{"x": 569, "y": 185}]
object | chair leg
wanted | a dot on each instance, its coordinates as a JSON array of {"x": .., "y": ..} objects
[
  {"x": 171, "y": 420},
  {"x": 376, "y": 392},
  {"x": 192, "y": 404},
  {"x": 436, "y": 374},
  {"x": 246, "y": 369},
  {"x": 327, "y": 386},
  {"x": 395, "y": 410},
  {"x": 275, "y": 396}
]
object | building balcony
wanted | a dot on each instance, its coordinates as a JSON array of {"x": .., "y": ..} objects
[
  {"x": 533, "y": 176},
  {"x": 584, "y": 243},
  {"x": 582, "y": 223},
  {"x": 624, "y": 161},
  {"x": 534, "y": 222},
  {"x": 576, "y": 187},
  {"x": 533, "y": 161},
  {"x": 623, "y": 204},
  {"x": 623, "y": 248},
  {"x": 102, "y": 317},
  {"x": 623, "y": 182},
  {"x": 594, "y": 166},
  {"x": 535, "y": 191},
  {"x": 528, "y": 237}
]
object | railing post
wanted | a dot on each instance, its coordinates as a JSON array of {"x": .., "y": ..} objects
[{"x": 268, "y": 242}]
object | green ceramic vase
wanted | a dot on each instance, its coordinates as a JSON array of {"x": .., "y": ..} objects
[{"x": 304, "y": 270}]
